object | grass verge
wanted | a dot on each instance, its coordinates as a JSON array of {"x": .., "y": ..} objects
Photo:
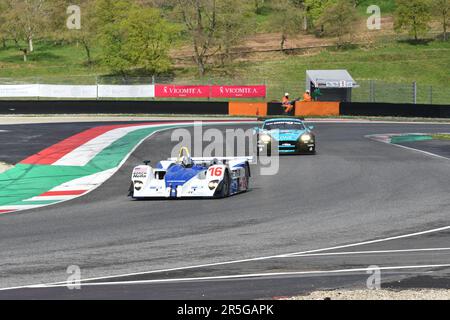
[{"x": 443, "y": 136}]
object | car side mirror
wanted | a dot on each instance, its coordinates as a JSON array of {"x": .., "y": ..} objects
[
  {"x": 147, "y": 162},
  {"x": 255, "y": 130},
  {"x": 311, "y": 127}
]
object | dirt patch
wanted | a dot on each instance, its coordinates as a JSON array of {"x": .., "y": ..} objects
[
  {"x": 422, "y": 294},
  {"x": 266, "y": 43}
]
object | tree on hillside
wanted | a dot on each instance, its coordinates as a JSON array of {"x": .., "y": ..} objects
[
  {"x": 413, "y": 16},
  {"x": 233, "y": 26},
  {"x": 200, "y": 20},
  {"x": 87, "y": 34},
  {"x": 55, "y": 23},
  {"x": 133, "y": 38},
  {"x": 301, "y": 4},
  {"x": 314, "y": 10},
  {"x": 338, "y": 20},
  {"x": 298, "y": 3},
  {"x": 442, "y": 10},
  {"x": 213, "y": 26},
  {"x": 110, "y": 14},
  {"x": 27, "y": 19},
  {"x": 288, "y": 20},
  {"x": 3, "y": 34},
  {"x": 258, "y": 5},
  {"x": 7, "y": 26}
]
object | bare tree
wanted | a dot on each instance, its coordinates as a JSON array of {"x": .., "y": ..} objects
[
  {"x": 200, "y": 20},
  {"x": 258, "y": 5},
  {"x": 233, "y": 26},
  {"x": 442, "y": 9},
  {"x": 27, "y": 18},
  {"x": 339, "y": 20},
  {"x": 3, "y": 35},
  {"x": 288, "y": 20},
  {"x": 87, "y": 34}
]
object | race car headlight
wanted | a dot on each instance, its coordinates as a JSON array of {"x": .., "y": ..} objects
[
  {"x": 213, "y": 184},
  {"x": 306, "y": 138},
  {"x": 265, "y": 138}
]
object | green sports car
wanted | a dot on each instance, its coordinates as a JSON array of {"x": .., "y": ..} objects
[{"x": 291, "y": 136}]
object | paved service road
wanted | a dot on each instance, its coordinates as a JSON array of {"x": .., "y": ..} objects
[{"x": 353, "y": 190}]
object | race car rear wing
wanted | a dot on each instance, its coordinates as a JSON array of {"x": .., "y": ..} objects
[
  {"x": 210, "y": 159},
  {"x": 184, "y": 152}
]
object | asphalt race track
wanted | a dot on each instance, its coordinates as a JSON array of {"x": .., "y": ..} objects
[{"x": 353, "y": 191}]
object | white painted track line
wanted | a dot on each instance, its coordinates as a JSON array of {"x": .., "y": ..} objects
[
  {"x": 421, "y": 151},
  {"x": 246, "y": 276},
  {"x": 350, "y": 253},
  {"x": 374, "y": 138}
]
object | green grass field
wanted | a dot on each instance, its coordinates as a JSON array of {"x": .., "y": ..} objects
[{"x": 49, "y": 62}]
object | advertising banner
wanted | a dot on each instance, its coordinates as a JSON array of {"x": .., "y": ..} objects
[
  {"x": 126, "y": 91},
  {"x": 19, "y": 90},
  {"x": 133, "y": 91},
  {"x": 175, "y": 91},
  {"x": 67, "y": 91},
  {"x": 238, "y": 91}
]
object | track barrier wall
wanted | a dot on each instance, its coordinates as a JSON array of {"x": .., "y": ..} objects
[
  {"x": 113, "y": 107},
  {"x": 274, "y": 108},
  {"x": 247, "y": 109},
  {"x": 316, "y": 108},
  {"x": 233, "y": 108},
  {"x": 394, "y": 110}
]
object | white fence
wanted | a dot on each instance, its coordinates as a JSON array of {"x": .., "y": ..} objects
[
  {"x": 76, "y": 91},
  {"x": 126, "y": 91}
]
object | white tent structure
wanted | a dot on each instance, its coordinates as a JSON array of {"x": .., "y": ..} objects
[{"x": 335, "y": 85}]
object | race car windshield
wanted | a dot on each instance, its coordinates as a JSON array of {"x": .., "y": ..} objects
[{"x": 285, "y": 125}]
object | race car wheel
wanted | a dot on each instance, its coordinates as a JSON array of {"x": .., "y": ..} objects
[
  {"x": 247, "y": 176},
  {"x": 223, "y": 190},
  {"x": 131, "y": 190}
]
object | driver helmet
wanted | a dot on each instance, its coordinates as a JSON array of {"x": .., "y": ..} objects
[{"x": 187, "y": 162}]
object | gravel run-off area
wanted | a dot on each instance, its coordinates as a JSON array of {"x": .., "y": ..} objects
[{"x": 422, "y": 294}]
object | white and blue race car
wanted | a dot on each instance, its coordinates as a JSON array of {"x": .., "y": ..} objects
[{"x": 187, "y": 177}]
